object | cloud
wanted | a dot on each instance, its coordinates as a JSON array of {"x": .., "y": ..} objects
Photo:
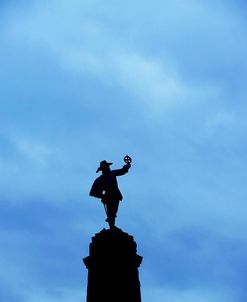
[
  {"x": 34, "y": 151},
  {"x": 221, "y": 119},
  {"x": 194, "y": 261},
  {"x": 55, "y": 295},
  {"x": 88, "y": 46},
  {"x": 34, "y": 240},
  {"x": 196, "y": 295},
  {"x": 85, "y": 82}
]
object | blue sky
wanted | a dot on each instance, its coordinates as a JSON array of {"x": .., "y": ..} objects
[{"x": 162, "y": 81}]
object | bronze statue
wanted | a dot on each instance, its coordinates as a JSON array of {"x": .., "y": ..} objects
[{"x": 106, "y": 188}]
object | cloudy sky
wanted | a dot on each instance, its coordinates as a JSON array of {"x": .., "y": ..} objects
[{"x": 162, "y": 81}]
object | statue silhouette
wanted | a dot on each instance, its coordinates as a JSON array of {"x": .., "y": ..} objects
[{"x": 106, "y": 188}]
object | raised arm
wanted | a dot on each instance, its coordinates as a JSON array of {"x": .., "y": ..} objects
[{"x": 122, "y": 171}]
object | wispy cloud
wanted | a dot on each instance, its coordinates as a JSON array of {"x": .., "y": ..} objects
[
  {"x": 37, "y": 152},
  {"x": 88, "y": 46},
  {"x": 197, "y": 295},
  {"x": 164, "y": 82}
]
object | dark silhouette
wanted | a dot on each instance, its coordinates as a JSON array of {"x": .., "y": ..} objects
[
  {"x": 113, "y": 268},
  {"x": 106, "y": 188},
  {"x": 113, "y": 261}
]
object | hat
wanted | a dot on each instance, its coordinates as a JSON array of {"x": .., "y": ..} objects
[{"x": 103, "y": 164}]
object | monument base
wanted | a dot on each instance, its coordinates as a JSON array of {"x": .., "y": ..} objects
[{"x": 113, "y": 268}]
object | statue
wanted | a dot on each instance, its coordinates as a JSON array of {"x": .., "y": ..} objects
[{"x": 106, "y": 188}]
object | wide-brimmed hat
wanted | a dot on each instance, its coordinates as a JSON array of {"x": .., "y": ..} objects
[{"x": 103, "y": 164}]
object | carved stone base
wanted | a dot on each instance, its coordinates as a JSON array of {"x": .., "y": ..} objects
[{"x": 113, "y": 268}]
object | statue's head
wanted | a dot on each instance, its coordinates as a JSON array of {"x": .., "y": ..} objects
[{"x": 104, "y": 166}]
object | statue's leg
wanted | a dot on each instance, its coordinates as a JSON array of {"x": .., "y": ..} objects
[
  {"x": 115, "y": 207},
  {"x": 106, "y": 211},
  {"x": 112, "y": 208}
]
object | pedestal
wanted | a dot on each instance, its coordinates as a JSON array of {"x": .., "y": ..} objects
[{"x": 113, "y": 268}]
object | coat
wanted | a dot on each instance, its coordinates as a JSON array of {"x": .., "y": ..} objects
[{"x": 106, "y": 185}]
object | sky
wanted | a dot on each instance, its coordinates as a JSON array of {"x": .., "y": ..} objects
[{"x": 161, "y": 81}]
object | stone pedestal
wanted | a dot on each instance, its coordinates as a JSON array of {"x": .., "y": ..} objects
[{"x": 113, "y": 268}]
